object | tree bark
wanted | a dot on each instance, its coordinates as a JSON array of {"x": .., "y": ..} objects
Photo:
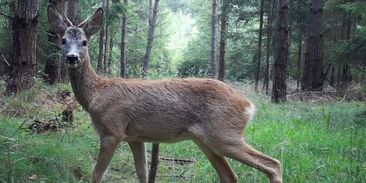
[
  {"x": 123, "y": 62},
  {"x": 299, "y": 58},
  {"x": 332, "y": 77},
  {"x": 212, "y": 71},
  {"x": 313, "y": 77},
  {"x": 269, "y": 44},
  {"x": 106, "y": 39},
  {"x": 72, "y": 10},
  {"x": 6, "y": 55},
  {"x": 150, "y": 39},
  {"x": 223, "y": 32},
  {"x": 259, "y": 48},
  {"x": 54, "y": 69},
  {"x": 100, "y": 65},
  {"x": 346, "y": 68},
  {"x": 110, "y": 59},
  {"x": 154, "y": 162},
  {"x": 25, "y": 46},
  {"x": 281, "y": 53}
]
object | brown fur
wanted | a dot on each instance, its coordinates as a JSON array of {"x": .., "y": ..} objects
[{"x": 207, "y": 111}]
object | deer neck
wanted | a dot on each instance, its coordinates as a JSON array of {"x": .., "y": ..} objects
[{"x": 84, "y": 81}]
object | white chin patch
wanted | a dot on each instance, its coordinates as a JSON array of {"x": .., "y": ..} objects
[{"x": 73, "y": 66}]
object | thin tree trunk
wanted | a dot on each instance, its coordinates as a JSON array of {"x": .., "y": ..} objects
[
  {"x": 7, "y": 54},
  {"x": 151, "y": 9},
  {"x": 269, "y": 44},
  {"x": 123, "y": 43},
  {"x": 313, "y": 77},
  {"x": 281, "y": 53},
  {"x": 110, "y": 59},
  {"x": 25, "y": 46},
  {"x": 154, "y": 162},
  {"x": 72, "y": 10},
  {"x": 100, "y": 65},
  {"x": 299, "y": 56},
  {"x": 150, "y": 39},
  {"x": 346, "y": 70},
  {"x": 223, "y": 32},
  {"x": 55, "y": 69},
  {"x": 212, "y": 71},
  {"x": 259, "y": 48},
  {"x": 106, "y": 39},
  {"x": 332, "y": 77}
]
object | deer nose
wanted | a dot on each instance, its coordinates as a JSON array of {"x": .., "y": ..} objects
[{"x": 72, "y": 58}]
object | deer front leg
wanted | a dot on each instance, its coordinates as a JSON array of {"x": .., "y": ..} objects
[
  {"x": 139, "y": 156},
  {"x": 108, "y": 145}
]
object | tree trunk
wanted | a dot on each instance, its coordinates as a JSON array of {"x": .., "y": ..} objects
[
  {"x": 110, "y": 59},
  {"x": 6, "y": 55},
  {"x": 269, "y": 44},
  {"x": 72, "y": 10},
  {"x": 259, "y": 48},
  {"x": 212, "y": 71},
  {"x": 106, "y": 39},
  {"x": 299, "y": 58},
  {"x": 332, "y": 77},
  {"x": 223, "y": 32},
  {"x": 25, "y": 47},
  {"x": 150, "y": 39},
  {"x": 346, "y": 69},
  {"x": 313, "y": 77},
  {"x": 63, "y": 73},
  {"x": 100, "y": 65},
  {"x": 123, "y": 43},
  {"x": 154, "y": 162},
  {"x": 55, "y": 69},
  {"x": 281, "y": 53}
]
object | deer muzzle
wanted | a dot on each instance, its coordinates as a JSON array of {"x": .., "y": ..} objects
[{"x": 72, "y": 59}]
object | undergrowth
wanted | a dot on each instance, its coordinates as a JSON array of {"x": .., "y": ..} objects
[{"x": 315, "y": 142}]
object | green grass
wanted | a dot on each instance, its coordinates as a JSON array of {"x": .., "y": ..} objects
[{"x": 315, "y": 142}]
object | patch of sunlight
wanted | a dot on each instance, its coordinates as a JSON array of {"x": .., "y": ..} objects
[{"x": 181, "y": 30}]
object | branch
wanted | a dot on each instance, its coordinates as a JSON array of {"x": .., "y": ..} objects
[
  {"x": 178, "y": 161},
  {"x": 7, "y": 16},
  {"x": 306, "y": 4},
  {"x": 7, "y": 63}
]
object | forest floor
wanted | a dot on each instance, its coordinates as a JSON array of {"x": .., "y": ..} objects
[{"x": 318, "y": 140}]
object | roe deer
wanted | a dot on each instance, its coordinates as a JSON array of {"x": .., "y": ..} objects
[{"x": 207, "y": 111}]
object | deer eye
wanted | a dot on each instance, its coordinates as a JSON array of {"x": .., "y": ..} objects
[
  {"x": 84, "y": 43},
  {"x": 63, "y": 41}
]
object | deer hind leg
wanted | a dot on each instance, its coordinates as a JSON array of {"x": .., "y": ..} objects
[
  {"x": 139, "y": 155},
  {"x": 108, "y": 145},
  {"x": 244, "y": 153},
  {"x": 219, "y": 163}
]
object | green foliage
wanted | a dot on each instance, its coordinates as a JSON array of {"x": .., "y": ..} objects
[{"x": 356, "y": 7}]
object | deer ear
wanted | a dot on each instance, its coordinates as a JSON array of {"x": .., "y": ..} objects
[
  {"x": 92, "y": 24},
  {"x": 55, "y": 20}
]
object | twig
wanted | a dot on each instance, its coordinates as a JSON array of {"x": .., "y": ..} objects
[
  {"x": 6, "y": 16},
  {"x": 2, "y": 110},
  {"x": 7, "y": 63},
  {"x": 12, "y": 135},
  {"x": 180, "y": 161},
  {"x": 181, "y": 175},
  {"x": 306, "y": 4}
]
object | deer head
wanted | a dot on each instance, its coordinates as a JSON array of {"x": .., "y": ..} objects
[{"x": 74, "y": 41}]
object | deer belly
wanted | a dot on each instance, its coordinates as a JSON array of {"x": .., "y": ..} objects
[{"x": 156, "y": 135}]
